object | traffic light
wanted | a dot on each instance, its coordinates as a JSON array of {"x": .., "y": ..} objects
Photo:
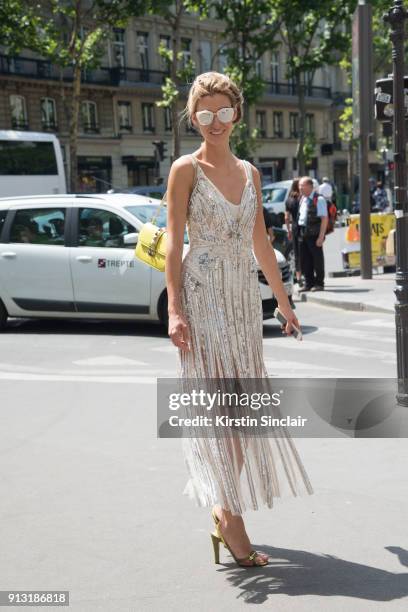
[{"x": 161, "y": 148}]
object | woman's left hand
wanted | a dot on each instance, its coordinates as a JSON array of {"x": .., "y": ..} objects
[{"x": 291, "y": 319}]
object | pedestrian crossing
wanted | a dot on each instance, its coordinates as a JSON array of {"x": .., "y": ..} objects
[
  {"x": 388, "y": 323},
  {"x": 362, "y": 347}
]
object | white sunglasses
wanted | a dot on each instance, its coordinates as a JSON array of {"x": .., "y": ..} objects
[{"x": 205, "y": 117}]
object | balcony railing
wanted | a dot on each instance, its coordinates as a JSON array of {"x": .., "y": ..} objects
[
  {"x": 42, "y": 69},
  {"x": 290, "y": 89}
]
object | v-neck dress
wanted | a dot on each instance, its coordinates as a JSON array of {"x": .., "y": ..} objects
[{"x": 221, "y": 300}]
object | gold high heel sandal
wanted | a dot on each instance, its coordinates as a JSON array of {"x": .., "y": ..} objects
[{"x": 217, "y": 537}]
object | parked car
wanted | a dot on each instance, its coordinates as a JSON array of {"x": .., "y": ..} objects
[
  {"x": 72, "y": 256},
  {"x": 151, "y": 191},
  {"x": 285, "y": 246},
  {"x": 274, "y": 197}
]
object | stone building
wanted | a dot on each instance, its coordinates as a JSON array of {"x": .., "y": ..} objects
[{"x": 119, "y": 118}]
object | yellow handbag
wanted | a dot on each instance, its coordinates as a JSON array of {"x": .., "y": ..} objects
[
  {"x": 151, "y": 243},
  {"x": 152, "y": 240}
]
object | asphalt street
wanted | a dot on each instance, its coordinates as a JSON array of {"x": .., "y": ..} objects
[{"x": 92, "y": 501}]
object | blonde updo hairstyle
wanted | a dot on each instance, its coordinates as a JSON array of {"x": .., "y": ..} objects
[{"x": 208, "y": 84}]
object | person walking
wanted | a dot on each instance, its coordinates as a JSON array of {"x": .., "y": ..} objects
[
  {"x": 268, "y": 224},
  {"x": 312, "y": 222},
  {"x": 291, "y": 215},
  {"x": 215, "y": 312}
]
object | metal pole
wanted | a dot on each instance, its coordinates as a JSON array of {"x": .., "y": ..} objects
[
  {"x": 396, "y": 18},
  {"x": 365, "y": 211}
]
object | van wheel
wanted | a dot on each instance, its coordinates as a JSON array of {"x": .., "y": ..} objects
[
  {"x": 162, "y": 310},
  {"x": 3, "y": 316}
]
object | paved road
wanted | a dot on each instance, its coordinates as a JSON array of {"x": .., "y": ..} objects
[{"x": 91, "y": 499}]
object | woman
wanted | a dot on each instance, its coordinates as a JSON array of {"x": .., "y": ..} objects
[
  {"x": 291, "y": 215},
  {"x": 215, "y": 310},
  {"x": 380, "y": 198}
]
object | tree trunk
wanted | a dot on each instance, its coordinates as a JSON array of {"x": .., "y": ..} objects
[
  {"x": 175, "y": 151},
  {"x": 73, "y": 128},
  {"x": 302, "y": 114}
]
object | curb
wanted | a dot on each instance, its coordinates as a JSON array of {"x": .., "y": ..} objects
[{"x": 345, "y": 305}]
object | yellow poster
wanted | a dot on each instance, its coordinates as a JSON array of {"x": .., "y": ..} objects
[{"x": 381, "y": 225}]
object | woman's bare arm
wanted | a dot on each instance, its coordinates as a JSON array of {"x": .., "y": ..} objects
[
  {"x": 265, "y": 255},
  {"x": 179, "y": 187}
]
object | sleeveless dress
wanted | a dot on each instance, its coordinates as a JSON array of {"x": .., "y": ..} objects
[{"x": 221, "y": 300}]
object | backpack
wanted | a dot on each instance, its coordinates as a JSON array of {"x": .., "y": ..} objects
[{"x": 331, "y": 213}]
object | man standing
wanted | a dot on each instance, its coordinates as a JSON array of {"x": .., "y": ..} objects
[
  {"x": 326, "y": 189},
  {"x": 312, "y": 223}
]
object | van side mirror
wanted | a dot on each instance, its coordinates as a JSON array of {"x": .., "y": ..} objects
[{"x": 130, "y": 238}]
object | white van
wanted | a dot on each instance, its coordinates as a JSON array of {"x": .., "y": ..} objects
[
  {"x": 30, "y": 164},
  {"x": 73, "y": 256}
]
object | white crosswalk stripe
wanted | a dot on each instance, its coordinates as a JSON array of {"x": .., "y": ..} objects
[
  {"x": 308, "y": 345},
  {"x": 353, "y": 334},
  {"x": 379, "y": 323}
]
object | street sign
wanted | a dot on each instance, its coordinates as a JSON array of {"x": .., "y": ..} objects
[{"x": 384, "y": 102}]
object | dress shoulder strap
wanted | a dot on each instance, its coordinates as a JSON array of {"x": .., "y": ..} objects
[
  {"x": 248, "y": 169},
  {"x": 195, "y": 164}
]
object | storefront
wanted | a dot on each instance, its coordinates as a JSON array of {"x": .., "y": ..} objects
[
  {"x": 94, "y": 174},
  {"x": 272, "y": 168},
  {"x": 141, "y": 169}
]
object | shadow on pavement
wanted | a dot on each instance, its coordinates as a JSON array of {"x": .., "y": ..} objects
[
  {"x": 274, "y": 331},
  {"x": 297, "y": 572},
  {"x": 84, "y": 327}
]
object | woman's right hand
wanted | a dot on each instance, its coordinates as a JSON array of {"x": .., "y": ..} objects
[{"x": 179, "y": 331}]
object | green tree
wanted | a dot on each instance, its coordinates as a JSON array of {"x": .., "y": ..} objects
[
  {"x": 347, "y": 135},
  {"x": 314, "y": 34},
  {"x": 18, "y": 25},
  {"x": 73, "y": 35},
  {"x": 180, "y": 70}
]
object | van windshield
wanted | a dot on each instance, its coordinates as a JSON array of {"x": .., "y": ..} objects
[
  {"x": 146, "y": 212},
  {"x": 275, "y": 194}
]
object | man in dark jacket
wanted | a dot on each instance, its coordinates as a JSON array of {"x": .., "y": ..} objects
[{"x": 312, "y": 223}]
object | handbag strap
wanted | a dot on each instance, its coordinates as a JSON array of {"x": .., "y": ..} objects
[{"x": 193, "y": 158}]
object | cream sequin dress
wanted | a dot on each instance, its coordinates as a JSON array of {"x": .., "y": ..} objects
[{"x": 221, "y": 301}]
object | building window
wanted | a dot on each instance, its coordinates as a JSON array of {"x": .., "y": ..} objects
[
  {"x": 143, "y": 49},
  {"x": 148, "y": 116},
  {"x": 278, "y": 124},
  {"x": 89, "y": 116},
  {"x": 19, "y": 119},
  {"x": 48, "y": 114},
  {"x": 205, "y": 56},
  {"x": 336, "y": 135},
  {"x": 261, "y": 123},
  {"x": 308, "y": 82},
  {"x": 294, "y": 125},
  {"x": 125, "y": 116},
  {"x": 309, "y": 124},
  {"x": 222, "y": 60},
  {"x": 275, "y": 67},
  {"x": 167, "y": 119},
  {"x": 164, "y": 42},
  {"x": 186, "y": 50},
  {"x": 258, "y": 68},
  {"x": 119, "y": 48}
]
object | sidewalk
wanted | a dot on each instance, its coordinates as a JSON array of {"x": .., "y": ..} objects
[{"x": 355, "y": 293}]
